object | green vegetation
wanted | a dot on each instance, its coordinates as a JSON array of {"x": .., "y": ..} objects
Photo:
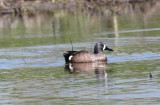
[{"x": 20, "y": 7}]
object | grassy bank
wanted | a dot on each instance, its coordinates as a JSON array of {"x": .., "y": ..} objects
[{"x": 91, "y": 6}]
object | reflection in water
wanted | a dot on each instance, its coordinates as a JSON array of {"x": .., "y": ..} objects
[
  {"x": 115, "y": 23},
  {"x": 96, "y": 67},
  {"x": 33, "y": 29}
]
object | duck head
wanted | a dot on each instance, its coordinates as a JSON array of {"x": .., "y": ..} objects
[{"x": 100, "y": 47}]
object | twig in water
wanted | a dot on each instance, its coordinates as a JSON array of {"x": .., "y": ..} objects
[
  {"x": 150, "y": 75},
  {"x": 24, "y": 61},
  {"x": 71, "y": 44}
]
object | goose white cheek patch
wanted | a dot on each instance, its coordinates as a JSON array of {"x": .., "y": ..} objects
[
  {"x": 70, "y": 57},
  {"x": 104, "y": 46}
]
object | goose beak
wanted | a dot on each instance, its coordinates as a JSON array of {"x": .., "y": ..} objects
[{"x": 108, "y": 49}]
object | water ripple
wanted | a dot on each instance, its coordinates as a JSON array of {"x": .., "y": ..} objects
[{"x": 48, "y": 56}]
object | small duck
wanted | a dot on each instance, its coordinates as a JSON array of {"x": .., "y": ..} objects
[{"x": 87, "y": 56}]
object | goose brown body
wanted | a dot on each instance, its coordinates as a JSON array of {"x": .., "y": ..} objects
[{"x": 85, "y": 56}]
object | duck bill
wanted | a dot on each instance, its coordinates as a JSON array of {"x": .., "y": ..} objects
[{"x": 108, "y": 49}]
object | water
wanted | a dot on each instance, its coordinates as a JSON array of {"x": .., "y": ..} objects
[{"x": 33, "y": 70}]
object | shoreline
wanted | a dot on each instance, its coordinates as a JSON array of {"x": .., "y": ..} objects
[{"x": 90, "y": 6}]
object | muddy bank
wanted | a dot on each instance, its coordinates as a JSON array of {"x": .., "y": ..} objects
[{"x": 92, "y": 6}]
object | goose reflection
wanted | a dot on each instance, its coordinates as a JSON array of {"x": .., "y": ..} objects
[{"x": 96, "y": 67}]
